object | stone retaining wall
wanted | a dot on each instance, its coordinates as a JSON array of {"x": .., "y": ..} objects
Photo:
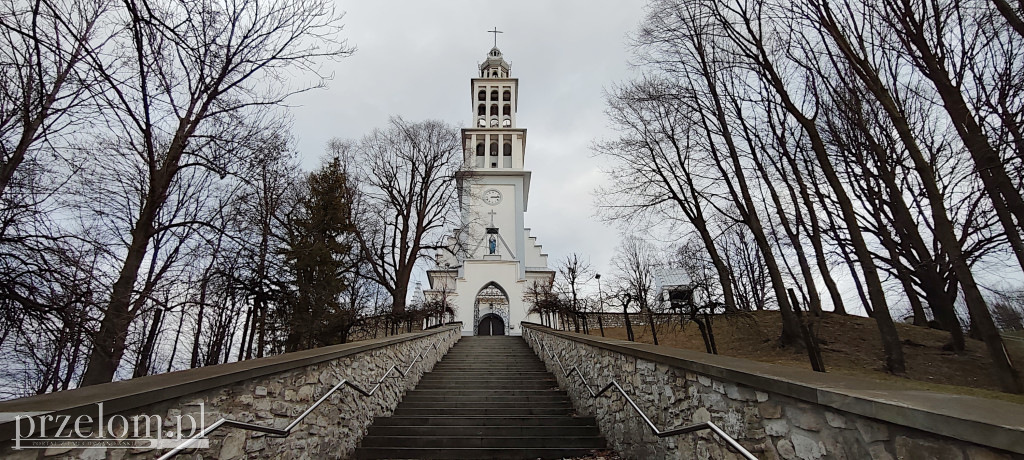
[
  {"x": 268, "y": 391},
  {"x": 774, "y": 411}
]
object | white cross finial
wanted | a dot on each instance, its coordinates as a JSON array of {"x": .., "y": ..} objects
[
  {"x": 495, "y": 32},
  {"x": 492, "y": 213}
]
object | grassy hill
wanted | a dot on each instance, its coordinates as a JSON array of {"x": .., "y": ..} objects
[{"x": 851, "y": 346}]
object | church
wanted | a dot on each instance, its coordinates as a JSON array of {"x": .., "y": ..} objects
[{"x": 491, "y": 263}]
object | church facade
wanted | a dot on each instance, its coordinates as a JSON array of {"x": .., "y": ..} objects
[{"x": 491, "y": 263}]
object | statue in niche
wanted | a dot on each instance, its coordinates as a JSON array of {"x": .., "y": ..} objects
[{"x": 492, "y": 244}]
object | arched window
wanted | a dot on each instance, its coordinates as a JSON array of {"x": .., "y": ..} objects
[
  {"x": 480, "y": 158},
  {"x": 494, "y": 149},
  {"x": 495, "y": 75},
  {"x": 480, "y": 149},
  {"x": 481, "y": 110},
  {"x": 507, "y": 149},
  {"x": 506, "y": 159},
  {"x": 507, "y": 96},
  {"x": 507, "y": 110},
  {"x": 494, "y": 110},
  {"x": 481, "y": 96},
  {"x": 494, "y": 95}
]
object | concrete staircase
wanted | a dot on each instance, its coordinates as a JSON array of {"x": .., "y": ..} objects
[{"x": 489, "y": 397}]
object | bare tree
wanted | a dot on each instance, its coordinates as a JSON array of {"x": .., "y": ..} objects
[
  {"x": 43, "y": 50},
  {"x": 407, "y": 177},
  {"x": 636, "y": 262},
  {"x": 656, "y": 163},
  {"x": 184, "y": 79},
  {"x": 573, "y": 273}
]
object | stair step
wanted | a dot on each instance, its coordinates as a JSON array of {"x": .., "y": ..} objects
[
  {"x": 470, "y": 453},
  {"x": 548, "y": 379},
  {"x": 482, "y": 392},
  {"x": 463, "y": 442},
  {"x": 422, "y": 398},
  {"x": 483, "y": 420},
  {"x": 489, "y": 386},
  {"x": 502, "y": 411},
  {"x": 463, "y": 431},
  {"x": 440, "y": 405},
  {"x": 488, "y": 398}
]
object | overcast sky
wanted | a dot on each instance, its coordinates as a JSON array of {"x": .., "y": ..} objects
[{"x": 415, "y": 59}]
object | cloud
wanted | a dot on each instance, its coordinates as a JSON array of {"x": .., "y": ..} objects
[{"x": 416, "y": 59}]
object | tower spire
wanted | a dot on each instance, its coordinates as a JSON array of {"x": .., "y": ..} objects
[{"x": 495, "y": 32}]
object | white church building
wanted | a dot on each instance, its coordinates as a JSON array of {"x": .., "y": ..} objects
[{"x": 486, "y": 273}]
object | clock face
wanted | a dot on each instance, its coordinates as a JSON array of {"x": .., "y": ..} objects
[{"x": 492, "y": 197}]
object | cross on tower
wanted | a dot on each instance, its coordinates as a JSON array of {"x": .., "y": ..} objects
[
  {"x": 492, "y": 213},
  {"x": 495, "y": 32}
]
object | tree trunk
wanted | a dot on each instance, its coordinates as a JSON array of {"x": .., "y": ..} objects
[
  {"x": 145, "y": 354},
  {"x": 815, "y": 227},
  {"x": 109, "y": 341},
  {"x": 894, "y": 361},
  {"x": 654, "y": 329},
  {"x": 744, "y": 202},
  {"x": 791, "y": 232},
  {"x": 944, "y": 231}
]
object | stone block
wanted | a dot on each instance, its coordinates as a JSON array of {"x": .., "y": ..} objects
[
  {"x": 872, "y": 431},
  {"x": 921, "y": 449},
  {"x": 260, "y": 391},
  {"x": 701, "y": 415},
  {"x": 878, "y": 452},
  {"x": 776, "y": 427},
  {"x": 233, "y": 446},
  {"x": 835, "y": 420},
  {"x": 806, "y": 418},
  {"x": 761, "y": 396},
  {"x": 739, "y": 393},
  {"x": 785, "y": 449},
  {"x": 770, "y": 409},
  {"x": 704, "y": 380},
  {"x": 714, "y": 401},
  {"x": 807, "y": 448},
  {"x": 262, "y": 405},
  {"x": 981, "y": 453},
  {"x": 765, "y": 451}
]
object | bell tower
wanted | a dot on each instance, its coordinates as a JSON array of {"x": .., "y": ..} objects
[
  {"x": 495, "y": 199},
  {"x": 492, "y": 260}
]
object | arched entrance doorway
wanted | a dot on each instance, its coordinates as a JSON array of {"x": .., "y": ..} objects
[
  {"x": 491, "y": 305},
  {"x": 491, "y": 324}
]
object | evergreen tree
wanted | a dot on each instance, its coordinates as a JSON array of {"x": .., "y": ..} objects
[{"x": 319, "y": 256}]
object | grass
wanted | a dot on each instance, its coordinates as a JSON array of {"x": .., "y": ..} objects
[{"x": 850, "y": 346}]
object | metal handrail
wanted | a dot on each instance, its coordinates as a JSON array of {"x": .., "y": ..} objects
[
  {"x": 654, "y": 429},
  {"x": 282, "y": 432}
]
